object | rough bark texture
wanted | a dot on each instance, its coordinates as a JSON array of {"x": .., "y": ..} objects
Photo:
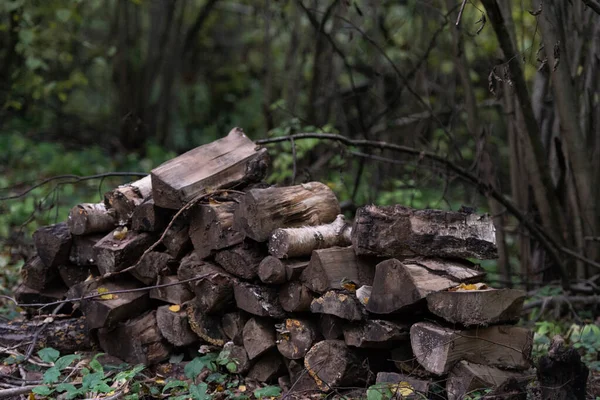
[
  {"x": 233, "y": 325},
  {"x": 176, "y": 239},
  {"x": 36, "y": 275},
  {"x": 147, "y": 217},
  {"x": 376, "y": 334},
  {"x": 267, "y": 368},
  {"x": 113, "y": 254},
  {"x": 207, "y": 327},
  {"x": 261, "y": 211},
  {"x": 339, "y": 304},
  {"x": 53, "y": 244},
  {"x": 398, "y": 231},
  {"x": 466, "y": 377},
  {"x": 82, "y": 250},
  {"x": 72, "y": 274},
  {"x": 174, "y": 326},
  {"x": 242, "y": 260},
  {"x": 258, "y": 300},
  {"x": 295, "y": 297},
  {"x": 295, "y": 337},
  {"x": 175, "y": 294},
  {"x": 333, "y": 364},
  {"x": 153, "y": 264},
  {"x": 88, "y": 218},
  {"x": 258, "y": 336},
  {"x": 331, "y": 327},
  {"x": 125, "y": 198}
]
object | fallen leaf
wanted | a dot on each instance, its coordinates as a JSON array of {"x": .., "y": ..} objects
[{"x": 175, "y": 308}]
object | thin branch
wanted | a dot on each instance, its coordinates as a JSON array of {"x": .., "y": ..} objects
[
  {"x": 557, "y": 300},
  {"x": 593, "y": 4},
  {"x": 460, "y": 12},
  {"x": 198, "y": 23}
]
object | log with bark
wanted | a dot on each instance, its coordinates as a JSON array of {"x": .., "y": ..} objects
[
  {"x": 174, "y": 294},
  {"x": 120, "y": 249},
  {"x": 125, "y": 198},
  {"x": 466, "y": 377},
  {"x": 274, "y": 271},
  {"x": 229, "y": 162},
  {"x": 261, "y": 211},
  {"x": 26, "y": 295},
  {"x": 82, "y": 249},
  {"x": 331, "y": 327},
  {"x": 207, "y": 327},
  {"x": 233, "y": 325},
  {"x": 340, "y": 304},
  {"x": 152, "y": 265},
  {"x": 242, "y": 260},
  {"x": 397, "y": 231},
  {"x": 300, "y": 380},
  {"x": 333, "y": 364},
  {"x": 258, "y": 300},
  {"x": 267, "y": 368},
  {"x": 438, "y": 349},
  {"x": 147, "y": 217},
  {"x": 376, "y": 333},
  {"x": 72, "y": 274},
  {"x": 298, "y": 242},
  {"x": 36, "y": 275},
  {"x": 176, "y": 239},
  {"x": 295, "y": 297},
  {"x": 237, "y": 355},
  {"x": 214, "y": 291},
  {"x": 295, "y": 337},
  {"x": 53, "y": 244},
  {"x": 258, "y": 337},
  {"x": 88, "y": 218},
  {"x": 174, "y": 326}
]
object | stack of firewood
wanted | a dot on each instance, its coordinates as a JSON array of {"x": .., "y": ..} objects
[{"x": 201, "y": 251}]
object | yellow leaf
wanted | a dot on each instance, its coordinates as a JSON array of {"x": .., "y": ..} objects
[
  {"x": 108, "y": 297},
  {"x": 102, "y": 290},
  {"x": 160, "y": 381},
  {"x": 120, "y": 234},
  {"x": 175, "y": 308},
  {"x": 405, "y": 389},
  {"x": 242, "y": 388}
]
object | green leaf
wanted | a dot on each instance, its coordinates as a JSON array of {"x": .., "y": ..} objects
[
  {"x": 231, "y": 367},
  {"x": 175, "y": 384},
  {"x": 65, "y": 361},
  {"x": 96, "y": 366},
  {"x": 194, "y": 367},
  {"x": 268, "y": 391},
  {"x": 51, "y": 375},
  {"x": 42, "y": 390},
  {"x": 66, "y": 387},
  {"x": 48, "y": 354},
  {"x": 63, "y": 14},
  {"x": 102, "y": 387},
  {"x": 91, "y": 380},
  {"x": 198, "y": 392}
]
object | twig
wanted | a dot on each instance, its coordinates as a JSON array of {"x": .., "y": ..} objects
[
  {"x": 460, "y": 12},
  {"x": 555, "y": 300},
  {"x": 593, "y": 4},
  {"x": 40, "y": 330},
  {"x": 16, "y": 391}
]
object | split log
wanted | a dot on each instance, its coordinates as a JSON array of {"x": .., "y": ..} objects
[
  {"x": 258, "y": 336},
  {"x": 147, "y": 217},
  {"x": 295, "y": 297},
  {"x": 177, "y": 240},
  {"x": 297, "y": 242},
  {"x": 174, "y": 326},
  {"x": 241, "y": 260},
  {"x": 214, "y": 292},
  {"x": 207, "y": 327},
  {"x": 175, "y": 294},
  {"x": 125, "y": 198},
  {"x": 211, "y": 226},
  {"x": 273, "y": 270},
  {"x": 65, "y": 335},
  {"x": 330, "y": 268},
  {"x": 137, "y": 341},
  {"x": 36, "y": 275},
  {"x": 192, "y": 266},
  {"x": 331, "y": 327},
  {"x": 333, "y": 364},
  {"x": 300, "y": 379},
  {"x": 406, "y": 386},
  {"x": 228, "y": 162},
  {"x": 27, "y": 295},
  {"x": 267, "y": 368},
  {"x": 88, "y": 218},
  {"x": 82, "y": 250},
  {"x": 399, "y": 285},
  {"x": 477, "y": 307},
  {"x": 398, "y": 231},
  {"x": 152, "y": 265},
  {"x": 53, "y": 244},
  {"x": 237, "y": 354},
  {"x": 437, "y": 348},
  {"x": 72, "y": 274},
  {"x": 261, "y": 211},
  {"x": 295, "y": 337},
  {"x": 233, "y": 325},
  {"x": 108, "y": 310},
  {"x": 258, "y": 300},
  {"x": 375, "y": 334},
  {"x": 406, "y": 362},
  {"x": 113, "y": 254},
  {"x": 339, "y": 304},
  {"x": 466, "y": 377}
]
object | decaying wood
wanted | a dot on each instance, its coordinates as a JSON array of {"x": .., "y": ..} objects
[
  {"x": 258, "y": 300},
  {"x": 466, "y": 377},
  {"x": 211, "y": 226},
  {"x": 107, "y": 311},
  {"x": 297, "y": 242},
  {"x": 53, "y": 244},
  {"x": 399, "y": 285},
  {"x": 88, "y": 218},
  {"x": 228, "y": 162},
  {"x": 295, "y": 297},
  {"x": 82, "y": 250},
  {"x": 331, "y": 327},
  {"x": 137, "y": 341},
  {"x": 36, "y": 275},
  {"x": 267, "y": 368},
  {"x": 207, "y": 327},
  {"x": 72, "y": 274},
  {"x": 125, "y": 198},
  {"x": 409, "y": 385},
  {"x": 65, "y": 335},
  {"x": 258, "y": 337},
  {"x": 397, "y": 231},
  {"x": 477, "y": 307},
  {"x": 214, "y": 292},
  {"x": 147, "y": 217},
  {"x": 114, "y": 252},
  {"x": 153, "y": 264},
  {"x": 238, "y": 355},
  {"x": 174, "y": 326},
  {"x": 330, "y": 268},
  {"x": 339, "y": 304},
  {"x": 375, "y": 333},
  {"x": 233, "y": 325},
  {"x": 176, "y": 239},
  {"x": 295, "y": 337},
  {"x": 261, "y": 211},
  {"x": 241, "y": 260},
  {"x": 437, "y": 348},
  {"x": 333, "y": 364},
  {"x": 174, "y": 294}
]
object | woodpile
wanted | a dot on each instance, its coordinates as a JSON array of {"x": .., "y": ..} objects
[{"x": 201, "y": 251}]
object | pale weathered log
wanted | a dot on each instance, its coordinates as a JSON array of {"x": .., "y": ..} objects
[
  {"x": 242, "y": 260},
  {"x": 125, "y": 198},
  {"x": 437, "y": 348},
  {"x": 233, "y": 325},
  {"x": 137, "y": 341},
  {"x": 237, "y": 355},
  {"x": 177, "y": 240},
  {"x": 376, "y": 334},
  {"x": 261, "y": 211},
  {"x": 88, "y": 218},
  {"x": 397, "y": 231},
  {"x": 297, "y": 242},
  {"x": 36, "y": 275},
  {"x": 333, "y": 364},
  {"x": 258, "y": 300},
  {"x": 258, "y": 336},
  {"x": 153, "y": 264},
  {"x": 339, "y": 304},
  {"x": 228, "y": 162},
  {"x": 174, "y": 326},
  {"x": 400, "y": 285},
  {"x": 267, "y": 368},
  {"x": 466, "y": 377},
  {"x": 295, "y": 297},
  {"x": 295, "y": 337},
  {"x": 330, "y": 268},
  {"x": 147, "y": 217},
  {"x": 477, "y": 307},
  {"x": 53, "y": 244},
  {"x": 82, "y": 250},
  {"x": 331, "y": 327},
  {"x": 174, "y": 294},
  {"x": 207, "y": 327},
  {"x": 114, "y": 252}
]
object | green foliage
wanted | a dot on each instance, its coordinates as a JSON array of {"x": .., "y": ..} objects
[{"x": 268, "y": 391}]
